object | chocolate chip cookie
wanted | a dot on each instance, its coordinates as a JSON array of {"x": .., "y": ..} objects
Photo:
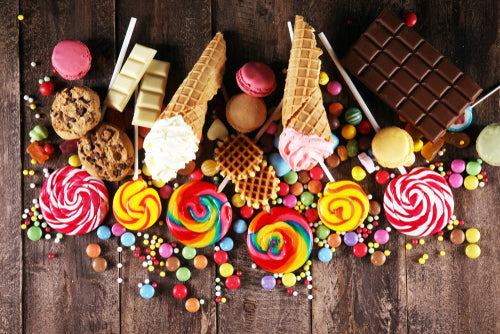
[
  {"x": 106, "y": 152},
  {"x": 75, "y": 112}
]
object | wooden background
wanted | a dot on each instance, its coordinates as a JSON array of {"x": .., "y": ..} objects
[{"x": 451, "y": 294}]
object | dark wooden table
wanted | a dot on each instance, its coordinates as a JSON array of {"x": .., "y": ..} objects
[{"x": 64, "y": 295}]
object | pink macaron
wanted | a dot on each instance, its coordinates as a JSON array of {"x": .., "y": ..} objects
[
  {"x": 256, "y": 79},
  {"x": 71, "y": 59}
]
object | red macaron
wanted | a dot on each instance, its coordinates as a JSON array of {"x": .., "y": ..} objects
[
  {"x": 71, "y": 59},
  {"x": 256, "y": 79}
]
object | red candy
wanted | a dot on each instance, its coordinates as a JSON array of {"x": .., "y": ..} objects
[
  {"x": 316, "y": 173},
  {"x": 233, "y": 282},
  {"x": 220, "y": 257},
  {"x": 382, "y": 177},
  {"x": 47, "y": 88},
  {"x": 179, "y": 291},
  {"x": 196, "y": 175},
  {"x": 311, "y": 215},
  {"x": 360, "y": 249},
  {"x": 69, "y": 146},
  {"x": 246, "y": 211},
  {"x": 410, "y": 19},
  {"x": 364, "y": 127},
  {"x": 284, "y": 189},
  {"x": 49, "y": 148}
]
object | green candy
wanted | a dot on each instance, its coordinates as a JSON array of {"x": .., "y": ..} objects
[
  {"x": 34, "y": 233},
  {"x": 306, "y": 198},
  {"x": 322, "y": 232},
  {"x": 39, "y": 132},
  {"x": 353, "y": 116},
  {"x": 188, "y": 253},
  {"x": 183, "y": 274},
  {"x": 473, "y": 168},
  {"x": 352, "y": 148},
  {"x": 291, "y": 177}
]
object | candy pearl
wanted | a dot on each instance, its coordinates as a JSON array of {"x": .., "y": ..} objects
[
  {"x": 33, "y": 64},
  {"x": 30, "y": 100}
]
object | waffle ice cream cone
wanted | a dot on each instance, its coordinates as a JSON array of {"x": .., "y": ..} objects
[
  {"x": 238, "y": 157},
  {"x": 303, "y": 108},
  {"x": 259, "y": 189},
  {"x": 199, "y": 87}
]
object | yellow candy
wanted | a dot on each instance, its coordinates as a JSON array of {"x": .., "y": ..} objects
[
  {"x": 237, "y": 201},
  {"x": 20, "y": 17},
  {"x": 289, "y": 280},
  {"x": 348, "y": 131},
  {"x": 209, "y": 167},
  {"x": 358, "y": 173},
  {"x": 442, "y": 253},
  {"x": 387, "y": 252},
  {"x": 408, "y": 246},
  {"x": 158, "y": 183},
  {"x": 226, "y": 269},
  {"x": 425, "y": 256},
  {"x": 145, "y": 170},
  {"x": 421, "y": 261},
  {"x": 74, "y": 161},
  {"x": 162, "y": 274},
  {"x": 472, "y": 235},
  {"x": 417, "y": 145},
  {"x": 473, "y": 251},
  {"x": 323, "y": 78},
  {"x": 471, "y": 182},
  {"x": 25, "y": 172}
]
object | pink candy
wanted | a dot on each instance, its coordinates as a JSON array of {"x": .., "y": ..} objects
[
  {"x": 290, "y": 201},
  {"x": 334, "y": 87}
]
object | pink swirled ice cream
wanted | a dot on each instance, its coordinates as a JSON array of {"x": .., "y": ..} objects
[{"x": 302, "y": 151}]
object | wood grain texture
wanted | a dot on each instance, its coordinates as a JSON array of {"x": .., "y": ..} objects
[
  {"x": 64, "y": 294},
  {"x": 10, "y": 167}
]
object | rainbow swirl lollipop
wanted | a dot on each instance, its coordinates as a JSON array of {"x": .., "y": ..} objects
[
  {"x": 136, "y": 206},
  {"x": 343, "y": 206},
  {"x": 197, "y": 215},
  {"x": 279, "y": 242}
]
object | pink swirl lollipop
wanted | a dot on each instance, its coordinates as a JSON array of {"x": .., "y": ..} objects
[
  {"x": 419, "y": 203},
  {"x": 73, "y": 202}
]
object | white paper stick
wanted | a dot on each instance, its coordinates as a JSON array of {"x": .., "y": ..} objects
[
  {"x": 327, "y": 172},
  {"x": 486, "y": 96},
  {"x": 136, "y": 142},
  {"x": 223, "y": 184},
  {"x": 349, "y": 83},
  {"x": 290, "y": 30},
  {"x": 269, "y": 121}
]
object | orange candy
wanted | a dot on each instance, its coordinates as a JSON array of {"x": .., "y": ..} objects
[
  {"x": 93, "y": 250},
  {"x": 342, "y": 152},
  {"x": 336, "y": 109},
  {"x": 334, "y": 240},
  {"x": 296, "y": 189},
  {"x": 192, "y": 305},
  {"x": 200, "y": 261},
  {"x": 314, "y": 186}
]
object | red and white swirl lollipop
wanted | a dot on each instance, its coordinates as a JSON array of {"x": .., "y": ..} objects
[
  {"x": 419, "y": 203},
  {"x": 73, "y": 202}
]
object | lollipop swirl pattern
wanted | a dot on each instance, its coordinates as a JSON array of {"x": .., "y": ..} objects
[
  {"x": 419, "y": 203},
  {"x": 73, "y": 202},
  {"x": 136, "y": 206},
  {"x": 197, "y": 215},
  {"x": 279, "y": 242},
  {"x": 343, "y": 206}
]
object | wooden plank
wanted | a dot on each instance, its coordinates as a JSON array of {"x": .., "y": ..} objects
[
  {"x": 179, "y": 31},
  {"x": 10, "y": 167},
  {"x": 64, "y": 294},
  {"x": 453, "y": 294}
]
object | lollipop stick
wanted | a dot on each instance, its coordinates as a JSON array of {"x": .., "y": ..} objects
[
  {"x": 349, "y": 82},
  {"x": 327, "y": 172},
  {"x": 290, "y": 29},
  {"x": 223, "y": 184},
  {"x": 486, "y": 96},
  {"x": 136, "y": 145},
  {"x": 121, "y": 57},
  {"x": 269, "y": 121}
]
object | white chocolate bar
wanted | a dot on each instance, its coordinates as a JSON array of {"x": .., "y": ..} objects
[
  {"x": 131, "y": 73},
  {"x": 150, "y": 99}
]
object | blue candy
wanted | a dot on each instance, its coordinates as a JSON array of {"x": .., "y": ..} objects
[
  {"x": 281, "y": 167},
  {"x": 226, "y": 244},
  {"x": 147, "y": 291},
  {"x": 467, "y": 121},
  {"x": 103, "y": 232},
  {"x": 127, "y": 239},
  {"x": 239, "y": 226},
  {"x": 336, "y": 141},
  {"x": 325, "y": 255}
]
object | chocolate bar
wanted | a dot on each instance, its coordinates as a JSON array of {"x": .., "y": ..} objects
[{"x": 410, "y": 76}]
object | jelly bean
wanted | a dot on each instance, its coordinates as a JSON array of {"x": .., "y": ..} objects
[
  {"x": 39, "y": 132},
  {"x": 334, "y": 122},
  {"x": 322, "y": 232},
  {"x": 36, "y": 152},
  {"x": 472, "y": 251},
  {"x": 360, "y": 249},
  {"x": 364, "y": 127},
  {"x": 352, "y": 148},
  {"x": 358, "y": 173},
  {"x": 342, "y": 152},
  {"x": 334, "y": 88},
  {"x": 232, "y": 282},
  {"x": 47, "y": 88},
  {"x": 306, "y": 198},
  {"x": 268, "y": 282},
  {"x": 34, "y": 233},
  {"x": 296, "y": 189},
  {"x": 226, "y": 269},
  {"x": 103, "y": 232},
  {"x": 323, "y": 78},
  {"x": 183, "y": 274},
  {"x": 200, "y": 261},
  {"x": 455, "y": 180},
  {"x": 471, "y": 182},
  {"x": 290, "y": 201},
  {"x": 417, "y": 145},
  {"x": 291, "y": 177},
  {"x": 472, "y": 235},
  {"x": 335, "y": 140},
  {"x": 348, "y": 131},
  {"x": 179, "y": 291},
  {"x": 165, "y": 250},
  {"x": 188, "y": 253},
  {"x": 281, "y": 167},
  {"x": 410, "y": 19},
  {"x": 74, "y": 160},
  {"x": 458, "y": 165},
  {"x": 334, "y": 240},
  {"x": 378, "y": 258},
  {"x": 289, "y": 279},
  {"x": 99, "y": 264},
  {"x": 239, "y": 226},
  {"x": 209, "y": 167},
  {"x": 351, "y": 238},
  {"x": 473, "y": 168},
  {"x": 381, "y": 236},
  {"x": 316, "y": 173},
  {"x": 226, "y": 244},
  {"x": 93, "y": 250},
  {"x": 336, "y": 109},
  {"x": 192, "y": 305},
  {"x": 325, "y": 255},
  {"x": 49, "y": 149},
  {"x": 237, "y": 201},
  {"x": 353, "y": 116},
  {"x": 147, "y": 291}
]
